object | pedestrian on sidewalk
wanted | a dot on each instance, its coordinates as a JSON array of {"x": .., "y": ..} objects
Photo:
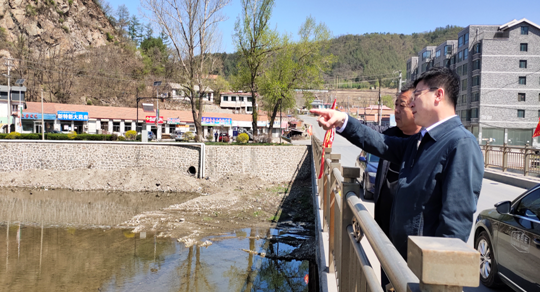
[{"x": 215, "y": 135}]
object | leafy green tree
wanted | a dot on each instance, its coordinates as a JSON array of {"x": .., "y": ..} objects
[
  {"x": 134, "y": 29},
  {"x": 255, "y": 42},
  {"x": 388, "y": 101},
  {"x": 219, "y": 85},
  {"x": 148, "y": 31},
  {"x": 296, "y": 65}
]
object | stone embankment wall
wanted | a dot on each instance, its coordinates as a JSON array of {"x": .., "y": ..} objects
[
  {"x": 72, "y": 156},
  {"x": 271, "y": 163}
]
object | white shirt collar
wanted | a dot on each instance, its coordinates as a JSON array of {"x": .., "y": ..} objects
[{"x": 424, "y": 130}]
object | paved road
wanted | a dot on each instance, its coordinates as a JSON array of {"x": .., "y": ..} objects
[{"x": 492, "y": 191}]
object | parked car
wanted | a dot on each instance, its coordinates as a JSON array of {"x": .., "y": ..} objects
[
  {"x": 508, "y": 239},
  {"x": 54, "y": 132},
  {"x": 177, "y": 135},
  {"x": 223, "y": 137},
  {"x": 151, "y": 135},
  {"x": 368, "y": 164}
]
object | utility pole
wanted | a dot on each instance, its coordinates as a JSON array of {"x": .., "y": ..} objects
[
  {"x": 380, "y": 104},
  {"x": 42, "y": 119},
  {"x": 399, "y": 83},
  {"x": 8, "y": 64}
]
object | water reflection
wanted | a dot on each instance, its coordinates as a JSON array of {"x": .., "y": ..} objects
[
  {"x": 61, "y": 207},
  {"x": 69, "y": 259}
]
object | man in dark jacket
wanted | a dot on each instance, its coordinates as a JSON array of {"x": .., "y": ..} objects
[
  {"x": 388, "y": 173},
  {"x": 441, "y": 167}
]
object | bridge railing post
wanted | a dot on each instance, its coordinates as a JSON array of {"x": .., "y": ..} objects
[
  {"x": 346, "y": 273},
  {"x": 443, "y": 264}
]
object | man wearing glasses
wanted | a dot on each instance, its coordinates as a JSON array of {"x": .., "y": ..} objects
[{"x": 441, "y": 167}]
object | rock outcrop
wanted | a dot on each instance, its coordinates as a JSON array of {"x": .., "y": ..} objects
[{"x": 58, "y": 24}]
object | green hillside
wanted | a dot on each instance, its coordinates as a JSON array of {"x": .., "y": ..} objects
[{"x": 360, "y": 56}]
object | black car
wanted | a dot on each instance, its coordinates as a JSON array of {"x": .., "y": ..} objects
[
  {"x": 508, "y": 239},
  {"x": 368, "y": 164}
]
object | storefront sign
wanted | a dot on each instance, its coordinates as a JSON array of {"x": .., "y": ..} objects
[
  {"x": 72, "y": 116},
  {"x": 173, "y": 121},
  {"x": 152, "y": 119},
  {"x": 37, "y": 116},
  {"x": 209, "y": 121}
]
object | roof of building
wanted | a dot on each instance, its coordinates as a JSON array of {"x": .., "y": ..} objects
[
  {"x": 236, "y": 93},
  {"x": 516, "y": 22},
  {"x": 129, "y": 113},
  {"x": 178, "y": 86}
]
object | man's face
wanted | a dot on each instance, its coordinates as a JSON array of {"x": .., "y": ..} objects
[
  {"x": 423, "y": 105},
  {"x": 403, "y": 112}
]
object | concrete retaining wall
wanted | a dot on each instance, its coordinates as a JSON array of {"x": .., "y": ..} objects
[{"x": 272, "y": 163}]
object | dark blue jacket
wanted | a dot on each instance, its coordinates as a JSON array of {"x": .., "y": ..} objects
[{"x": 439, "y": 182}]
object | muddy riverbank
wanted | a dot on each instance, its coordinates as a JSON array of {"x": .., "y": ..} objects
[{"x": 174, "y": 205}]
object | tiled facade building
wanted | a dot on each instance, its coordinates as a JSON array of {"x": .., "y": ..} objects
[{"x": 499, "y": 69}]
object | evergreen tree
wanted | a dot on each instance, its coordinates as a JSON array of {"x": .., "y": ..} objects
[{"x": 134, "y": 28}]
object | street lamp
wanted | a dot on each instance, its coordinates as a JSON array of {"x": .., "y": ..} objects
[{"x": 20, "y": 82}]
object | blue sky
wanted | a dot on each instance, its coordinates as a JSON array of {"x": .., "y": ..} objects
[{"x": 359, "y": 17}]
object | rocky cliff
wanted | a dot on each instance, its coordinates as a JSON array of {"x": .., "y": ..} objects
[{"x": 59, "y": 24}]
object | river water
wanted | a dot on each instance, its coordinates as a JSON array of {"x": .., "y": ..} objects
[{"x": 55, "y": 242}]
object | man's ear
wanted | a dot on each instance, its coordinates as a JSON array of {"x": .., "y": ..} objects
[{"x": 440, "y": 95}]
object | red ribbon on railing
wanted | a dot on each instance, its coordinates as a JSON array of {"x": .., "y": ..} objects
[{"x": 327, "y": 142}]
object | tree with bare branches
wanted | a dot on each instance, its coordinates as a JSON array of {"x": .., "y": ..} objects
[{"x": 191, "y": 26}]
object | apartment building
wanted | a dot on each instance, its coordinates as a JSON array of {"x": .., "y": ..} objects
[
  {"x": 238, "y": 102},
  {"x": 499, "y": 70},
  {"x": 412, "y": 69}
]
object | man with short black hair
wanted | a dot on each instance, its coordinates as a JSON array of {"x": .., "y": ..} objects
[{"x": 441, "y": 167}]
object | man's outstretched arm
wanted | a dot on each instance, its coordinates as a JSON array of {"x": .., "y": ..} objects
[{"x": 386, "y": 147}]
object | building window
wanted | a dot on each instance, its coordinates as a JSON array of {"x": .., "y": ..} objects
[
  {"x": 475, "y": 96},
  {"x": 426, "y": 55},
  {"x": 478, "y": 48},
  {"x": 466, "y": 38},
  {"x": 225, "y": 98},
  {"x": 249, "y": 99},
  {"x": 438, "y": 53},
  {"x": 249, "y": 109},
  {"x": 539, "y": 113},
  {"x": 476, "y": 80},
  {"x": 466, "y": 54},
  {"x": 241, "y": 98},
  {"x": 459, "y": 70},
  {"x": 448, "y": 50},
  {"x": 522, "y": 80},
  {"x": 523, "y": 47},
  {"x": 459, "y": 56},
  {"x": 524, "y": 30},
  {"x": 521, "y": 96},
  {"x": 465, "y": 69},
  {"x": 116, "y": 126},
  {"x": 460, "y": 41},
  {"x": 127, "y": 126},
  {"x": 476, "y": 64},
  {"x": 464, "y": 84},
  {"x": 474, "y": 113},
  {"x": 464, "y": 98},
  {"x": 521, "y": 113},
  {"x": 424, "y": 67},
  {"x": 522, "y": 63},
  {"x": 104, "y": 126},
  {"x": 233, "y": 98}
]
